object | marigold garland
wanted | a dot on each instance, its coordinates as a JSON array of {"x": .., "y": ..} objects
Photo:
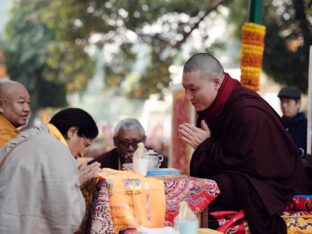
[{"x": 251, "y": 55}]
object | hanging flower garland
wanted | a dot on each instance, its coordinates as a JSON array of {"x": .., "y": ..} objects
[{"x": 251, "y": 55}]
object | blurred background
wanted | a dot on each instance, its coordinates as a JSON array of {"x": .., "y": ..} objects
[{"x": 117, "y": 58}]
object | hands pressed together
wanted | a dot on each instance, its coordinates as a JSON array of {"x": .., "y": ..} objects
[
  {"x": 192, "y": 135},
  {"x": 128, "y": 157},
  {"x": 87, "y": 172}
]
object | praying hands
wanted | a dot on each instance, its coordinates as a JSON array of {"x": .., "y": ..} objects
[{"x": 192, "y": 135}]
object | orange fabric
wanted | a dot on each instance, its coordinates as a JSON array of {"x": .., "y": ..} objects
[
  {"x": 7, "y": 131},
  {"x": 57, "y": 134},
  {"x": 134, "y": 199}
]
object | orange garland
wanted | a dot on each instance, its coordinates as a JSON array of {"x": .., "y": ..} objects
[{"x": 251, "y": 55}]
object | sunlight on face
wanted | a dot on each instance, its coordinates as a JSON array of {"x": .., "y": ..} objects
[
  {"x": 15, "y": 106},
  {"x": 201, "y": 92}
]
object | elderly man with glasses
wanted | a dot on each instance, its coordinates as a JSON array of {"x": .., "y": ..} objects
[{"x": 127, "y": 134}]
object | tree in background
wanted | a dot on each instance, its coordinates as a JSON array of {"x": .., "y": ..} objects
[
  {"x": 128, "y": 28},
  {"x": 36, "y": 57},
  {"x": 288, "y": 37},
  {"x": 26, "y": 62},
  {"x": 52, "y": 44}
]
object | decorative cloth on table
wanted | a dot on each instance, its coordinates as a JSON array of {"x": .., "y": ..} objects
[
  {"x": 101, "y": 215},
  {"x": 298, "y": 215},
  {"x": 88, "y": 192},
  {"x": 134, "y": 199},
  {"x": 198, "y": 193},
  {"x": 233, "y": 222},
  {"x": 300, "y": 203}
]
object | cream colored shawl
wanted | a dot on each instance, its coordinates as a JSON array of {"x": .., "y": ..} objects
[{"x": 39, "y": 186}]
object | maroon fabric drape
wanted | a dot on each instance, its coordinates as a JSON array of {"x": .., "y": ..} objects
[{"x": 225, "y": 90}]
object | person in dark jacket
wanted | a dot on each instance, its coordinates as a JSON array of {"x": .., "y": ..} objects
[
  {"x": 295, "y": 120},
  {"x": 128, "y": 133},
  {"x": 241, "y": 143}
]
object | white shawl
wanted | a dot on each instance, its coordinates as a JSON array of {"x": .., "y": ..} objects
[{"x": 39, "y": 186}]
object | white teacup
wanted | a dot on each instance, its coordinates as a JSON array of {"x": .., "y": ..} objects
[
  {"x": 140, "y": 165},
  {"x": 154, "y": 159}
]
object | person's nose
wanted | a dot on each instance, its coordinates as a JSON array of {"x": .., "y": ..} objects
[
  {"x": 131, "y": 148},
  {"x": 27, "y": 108},
  {"x": 283, "y": 105},
  {"x": 80, "y": 154}
]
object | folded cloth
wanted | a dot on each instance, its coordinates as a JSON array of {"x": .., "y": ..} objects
[
  {"x": 231, "y": 222},
  {"x": 134, "y": 199},
  {"x": 298, "y": 215}
]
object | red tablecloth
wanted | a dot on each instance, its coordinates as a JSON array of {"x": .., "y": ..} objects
[{"x": 198, "y": 193}]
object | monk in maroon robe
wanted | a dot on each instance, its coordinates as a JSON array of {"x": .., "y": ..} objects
[{"x": 241, "y": 143}]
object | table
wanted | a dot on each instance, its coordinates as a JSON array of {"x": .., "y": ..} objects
[{"x": 198, "y": 193}]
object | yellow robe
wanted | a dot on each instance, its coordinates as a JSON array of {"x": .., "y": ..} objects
[{"x": 7, "y": 131}]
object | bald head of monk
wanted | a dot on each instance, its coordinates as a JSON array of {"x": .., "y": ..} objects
[{"x": 14, "y": 102}]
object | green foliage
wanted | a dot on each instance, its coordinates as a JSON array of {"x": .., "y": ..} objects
[
  {"x": 48, "y": 67},
  {"x": 288, "y": 37},
  {"x": 159, "y": 27},
  {"x": 53, "y": 43}
]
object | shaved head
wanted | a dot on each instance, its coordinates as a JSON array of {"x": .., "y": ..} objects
[
  {"x": 206, "y": 64},
  {"x": 14, "y": 102},
  {"x": 7, "y": 87},
  {"x": 202, "y": 77}
]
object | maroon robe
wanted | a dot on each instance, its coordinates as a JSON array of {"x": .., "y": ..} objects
[
  {"x": 252, "y": 158},
  {"x": 110, "y": 159}
]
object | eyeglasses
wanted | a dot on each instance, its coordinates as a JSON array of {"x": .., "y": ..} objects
[
  {"x": 126, "y": 144},
  {"x": 87, "y": 143}
]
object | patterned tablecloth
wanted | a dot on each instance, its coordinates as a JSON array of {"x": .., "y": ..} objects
[
  {"x": 198, "y": 193},
  {"x": 297, "y": 216}
]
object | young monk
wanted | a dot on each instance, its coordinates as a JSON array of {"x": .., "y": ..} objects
[{"x": 241, "y": 143}]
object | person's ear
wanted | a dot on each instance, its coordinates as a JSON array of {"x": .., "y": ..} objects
[
  {"x": 216, "y": 82},
  {"x": 1, "y": 106},
  {"x": 72, "y": 131}
]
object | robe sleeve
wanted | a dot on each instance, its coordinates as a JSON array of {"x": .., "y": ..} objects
[
  {"x": 64, "y": 203},
  {"x": 48, "y": 178}
]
